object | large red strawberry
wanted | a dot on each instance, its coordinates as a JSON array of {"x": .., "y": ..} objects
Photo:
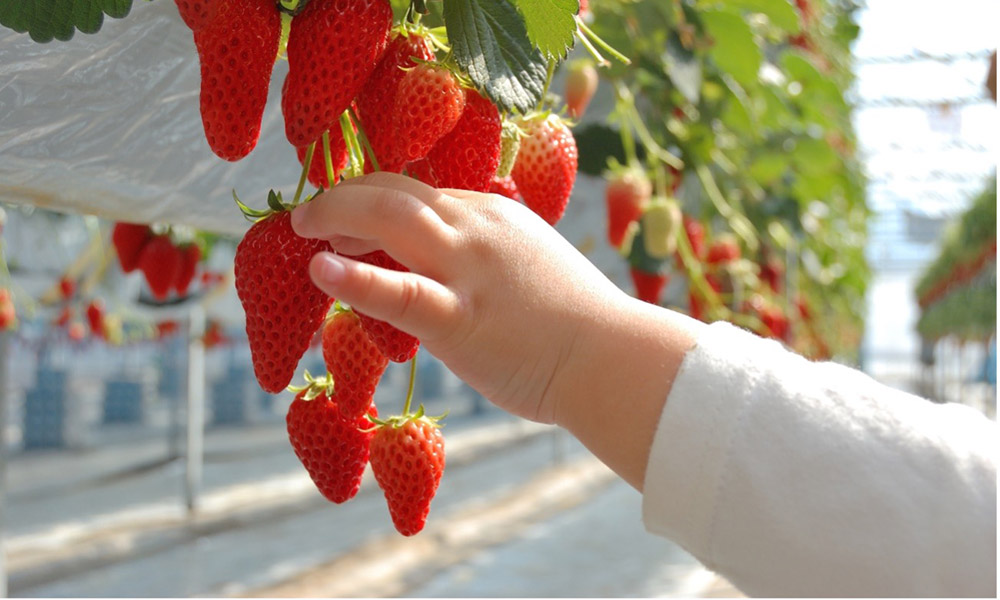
[
  {"x": 467, "y": 157},
  {"x": 160, "y": 262},
  {"x": 505, "y": 186},
  {"x": 333, "y": 447},
  {"x": 129, "y": 239},
  {"x": 190, "y": 255},
  {"x": 317, "y": 167},
  {"x": 283, "y": 307},
  {"x": 626, "y": 195},
  {"x": 648, "y": 286},
  {"x": 394, "y": 344},
  {"x": 407, "y": 456},
  {"x": 546, "y": 166},
  {"x": 581, "y": 83},
  {"x": 237, "y": 51},
  {"x": 198, "y": 13},
  {"x": 379, "y": 94},
  {"x": 428, "y": 104},
  {"x": 332, "y": 49},
  {"x": 353, "y": 361}
]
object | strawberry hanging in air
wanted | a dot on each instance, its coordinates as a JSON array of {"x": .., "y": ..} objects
[
  {"x": 333, "y": 447},
  {"x": 723, "y": 250},
  {"x": 190, "y": 256},
  {"x": 237, "y": 49},
  {"x": 129, "y": 239},
  {"x": 160, "y": 262},
  {"x": 648, "y": 286},
  {"x": 352, "y": 360},
  {"x": 581, "y": 83},
  {"x": 283, "y": 307},
  {"x": 626, "y": 195},
  {"x": 545, "y": 169},
  {"x": 333, "y": 47},
  {"x": 396, "y": 345},
  {"x": 428, "y": 104}
]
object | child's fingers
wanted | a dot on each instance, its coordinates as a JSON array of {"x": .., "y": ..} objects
[{"x": 416, "y": 304}]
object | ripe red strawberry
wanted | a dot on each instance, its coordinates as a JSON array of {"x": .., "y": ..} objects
[
  {"x": 237, "y": 51},
  {"x": 67, "y": 287},
  {"x": 772, "y": 271},
  {"x": 332, "y": 49},
  {"x": 467, "y": 157},
  {"x": 129, "y": 240},
  {"x": 332, "y": 447},
  {"x": 723, "y": 250},
  {"x": 379, "y": 93},
  {"x": 64, "y": 316},
  {"x": 394, "y": 344},
  {"x": 407, "y": 456},
  {"x": 190, "y": 255},
  {"x": 283, "y": 307},
  {"x": 353, "y": 361},
  {"x": 546, "y": 166},
  {"x": 317, "y": 168},
  {"x": 95, "y": 317},
  {"x": 581, "y": 83},
  {"x": 648, "y": 286},
  {"x": 8, "y": 314},
  {"x": 626, "y": 196},
  {"x": 505, "y": 186},
  {"x": 198, "y": 13},
  {"x": 428, "y": 105},
  {"x": 160, "y": 261},
  {"x": 166, "y": 328}
]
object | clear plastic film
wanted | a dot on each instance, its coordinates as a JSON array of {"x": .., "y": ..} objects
[{"x": 109, "y": 124}]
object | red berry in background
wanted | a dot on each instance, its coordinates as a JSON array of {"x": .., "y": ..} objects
[
  {"x": 95, "y": 317},
  {"x": 214, "y": 336},
  {"x": 64, "y": 317},
  {"x": 67, "y": 287},
  {"x": 379, "y": 94},
  {"x": 332, "y": 49},
  {"x": 129, "y": 240},
  {"x": 648, "y": 286},
  {"x": 237, "y": 50},
  {"x": 317, "y": 167},
  {"x": 428, "y": 105},
  {"x": 581, "y": 83},
  {"x": 160, "y": 262},
  {"x": 772, "y": 272},
  {"x": 723, "y": 250},
  {"x": 803, "y": 308},
  {"x": 283, "y": 307},
  {"x": 353, "y": 361},
  {"x": 8, "y": 314},
  {"x": 394, "y": 344},
  {"x": 332, "y": 447},
  {"x": 76, "y": 331},
  {"x": 190, "y": 256},
  {"x": 626, "y": 194},
  {"x": 467, "y": 157},
  {"x": 545, "y": 169},
  {"x": 505, "y": 186},
  {"x": 408, "y": 460},
  {"x": 198, "y": 13},
  {"x": 166, "y": 328}
]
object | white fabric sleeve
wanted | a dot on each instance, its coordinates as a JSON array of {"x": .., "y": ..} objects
[{"x": 795, "y": 478}]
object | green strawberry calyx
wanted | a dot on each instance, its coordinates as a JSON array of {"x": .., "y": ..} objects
[
  {"x": 397, "y": 421},
  {"x": 274, "y": 205},
  {"x": 314, "y": 387}
]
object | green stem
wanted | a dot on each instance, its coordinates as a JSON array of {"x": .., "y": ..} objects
[
  {"x": 601, "y": 43},
  {"x": 550, "y": 71},
  {"x": 738, "y": 222},
  {"x": 304, "y": 175},
  {"x": 363, "y": 137},
  {"x": 353, "y": 147},
  {"x": 331, "y": 178},
  {"x": 409, "y": 390},
  {"x": 592, "y": 50}
]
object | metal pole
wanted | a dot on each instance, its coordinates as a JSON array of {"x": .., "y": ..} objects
[
  {"x": 4, "y": 354},
  {"x": 196, "y": 407}
]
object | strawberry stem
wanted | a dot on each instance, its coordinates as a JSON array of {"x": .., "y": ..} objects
[
  {"x": 409, "y": 391},
  {"x": 550, "y": 71},
  {"x": 587, "y": 33},
  {"x": 305, "y": 173},
  {"x": 328, "y": 158},
  {"x": 353, "y": 147},
  {"x": 363, "y": 137}
]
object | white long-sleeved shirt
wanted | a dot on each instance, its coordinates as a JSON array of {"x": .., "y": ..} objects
[{"x": 795, "y": 478}]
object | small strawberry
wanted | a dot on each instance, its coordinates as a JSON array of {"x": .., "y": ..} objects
[
  {"x": 648, "y": 286},
  {"x": 129, "y": 240},
  {"x": 64, "y": 317},
  {"x": 283, "y": 307},
  {"x": 317, "y": 167},
  {"x": 505, "y": 186},
  {"x": 160, "y": 262},
  {"x": 394, "y": 344},
  {"x": 661, "y": 223},
  {"x": 8, "y": 314},
  {"x": 723, "y": 250},
  {"x": 67, "y": 287},
  {"x": 166, "y": 328},
  {"x": 428, "y": 104},
  {"x": 198, "y": 13},
  {"x": 407, "y": 456},
  {"x": 378, "y": 96},
  {"x": 353, "y": 361},
  {"x": 237, "y": 51},
  {"x": 333, "y": 447},
  {"x": 190, "y": 256},
  {"x": 626, "y": 195},
  {"x": 332, "y": 49},
  {"x": 772, "y": 271},
  {"x": 581, "y": 83},
  {"x": 545, "y": 169},
  {"x": 95, "y": 317},
  {"x": 76, "y": 331},
  {"x": 467, "y": 157}
]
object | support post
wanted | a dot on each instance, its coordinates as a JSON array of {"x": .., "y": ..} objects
[{"x": 194, "y": 455}]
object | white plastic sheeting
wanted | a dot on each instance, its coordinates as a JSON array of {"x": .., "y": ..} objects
[{"x": 109, "y": 124}]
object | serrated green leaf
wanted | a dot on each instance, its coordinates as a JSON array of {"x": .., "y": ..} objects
[
  {"x": 551, "y": 24},
  {"x": 45, "y": 20},
  {"x": 733, "y": 48},
  {"x": 490, "y": 42}
]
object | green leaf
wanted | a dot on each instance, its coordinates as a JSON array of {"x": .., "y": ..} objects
[
  {"x": 46, "y": 20},
  {"x": 551, "y": 24},
  {"x": 490, "y": 42},
  {"x": 780, "y": 12},
  {"x": 733, "y": 48}
]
